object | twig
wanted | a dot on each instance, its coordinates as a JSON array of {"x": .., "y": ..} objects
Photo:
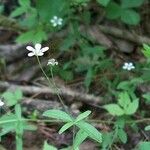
[
  {"x": 124, "y": 34},
  {"x": 66, "y": 92}
]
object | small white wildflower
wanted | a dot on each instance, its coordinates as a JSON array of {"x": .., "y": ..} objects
[
  {"x": 56, "y": 21},
  {"x": 1, "y": 103},
  {"x": 128, "y": 66},
  {"x": 37, "y": 50},
  {"x": 52, "y": 62}
]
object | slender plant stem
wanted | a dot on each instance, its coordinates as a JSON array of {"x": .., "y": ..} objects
[
  {"x": 51, "y": 84},
  {"x": 19, "y": 143}
]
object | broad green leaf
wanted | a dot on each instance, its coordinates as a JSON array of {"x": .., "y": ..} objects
[
  {"x": 131, "y": 3},
  {"x": 113, "y": 10},
  {"x": 124, "y": 99},
  {"x": 103, "y": 2},
  {"x": 144, "y": 146},
  {"x": 48, "y": 147},
  {"x": 65, "y": 127},
  {"x": 18, "y": 11},
  {"x": 83, "y": 116},
  {"x": 12, "y": 98},
  {"x": 114, "y": 109},
  {"x": 79, "y": 138},
  {"x": 35, "y": 36},
  {"x": 132, "y": 108},
  {"x": 130, "y": 17},
  {"x": 147, "y": 128},
  {"x": 24, "y": 3},
  {"x": 58, "y": 114},
  {"x": 47, "y": 9},
  {"x": 122, "y": 135},
  {"x": 91, "y": 131}
]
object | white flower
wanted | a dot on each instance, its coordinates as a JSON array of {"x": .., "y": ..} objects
[
  {"x": 52, "y": 62},
  {"x": 37, "y": 50},
  {"x": 1, "y": 103},
  {"x": 56, "y": 21},
  {"x": 128, "y": 66}
]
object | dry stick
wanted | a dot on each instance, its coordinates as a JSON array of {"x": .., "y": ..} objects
[
  {"x": 30, "y": 90},
  {"x": 124, "y": 34},
  {"x": 11, "y": 24}
]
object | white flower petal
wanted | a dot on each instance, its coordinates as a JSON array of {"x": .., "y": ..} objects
[
  {"x": 52, "y": 20},
  {"x": 31, "y": 54},
  {"x": 1, "y": 103},
  {"x": 54, "y": 24},
  {"x": 38, "y": 46},
  {"x": 30, "y": 48},
  {"x": 40, "y": 54},
  {"x": 55, "y": 17},
  {"x": 44, "y": 49}
]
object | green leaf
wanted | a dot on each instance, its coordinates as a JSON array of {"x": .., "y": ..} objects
[
  {"x": 58, "y": 114},
  {"x": 91, "y": 131},
  {"x": 144, "y": 146},
  {"x": 35, "y": 36},
  {"x": 65, "y": 127},
  {"x": 83, "y": 116},
  {"x": 131, "y": 3},
  {"x": 89, "y": 77},
  {"x": 68, "y": 42},
  {"x": 132, "y": 108},
  {"x": 66, "y": 74},
  {"x": 79, "y": 138},
  {"x": 124, "y": 99},
  {"x": 24, "y": 3},
  {"x": 122, "y": 135},
  {"x": 48, "y": 147},
  {"x": 114, "y": 109},
  {"x": 107, "y": 140},
  {"x": 130, "y": 17},
  {"x": 103, "y": 2},
  {"x": 146, "y": 50},
  {"x": 18, "y": 94},
  {"x": 18, "y": 11},
  {"x": 147, "y": 128},
  {"x": 12, "y": 98},
  {"x": 113, "y": 10},
  {"x": 49, "y": 8}
]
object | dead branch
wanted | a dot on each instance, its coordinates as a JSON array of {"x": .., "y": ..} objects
[
  {"x": 65, "y": 92},
  {"x": 12, "y": 52},
  {"x": 124, "y": 34}
]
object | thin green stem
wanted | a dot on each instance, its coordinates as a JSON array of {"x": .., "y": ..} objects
[{"x": 51, "y": 84}]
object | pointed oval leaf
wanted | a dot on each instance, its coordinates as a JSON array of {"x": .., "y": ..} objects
[
  {"x": 132, "y": 108},
  {"x": 122, "y": 135},
  {"x": 58, "y": 114},
  {"x": 90, "y": 130},
  {"x": 83, "y": 116},
  {"x": 65, "y": 127},
  {"x": 79, "y": 138},
  {"x": 114, "y": 109}
]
